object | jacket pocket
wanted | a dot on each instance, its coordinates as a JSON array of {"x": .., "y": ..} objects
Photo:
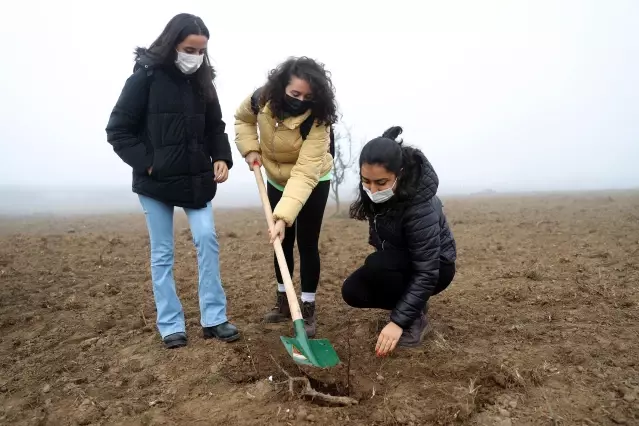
[{"x": 156, "y": 172}]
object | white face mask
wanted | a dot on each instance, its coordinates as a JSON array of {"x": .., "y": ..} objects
[
  {"x": 188, "y": 63},
  {"x": 381, "y": 196}
]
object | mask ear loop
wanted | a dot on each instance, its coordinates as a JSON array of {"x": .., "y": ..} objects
[{"x": 401, "y": 172}]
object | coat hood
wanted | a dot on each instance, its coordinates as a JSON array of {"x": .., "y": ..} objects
[
  {"x": 144, "y": 58},
  {"x": 428, "y": 181},
  {"x": 141, "y": 58}
]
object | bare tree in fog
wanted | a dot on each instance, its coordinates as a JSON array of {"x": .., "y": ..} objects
[{"x": 343, "y": 162}]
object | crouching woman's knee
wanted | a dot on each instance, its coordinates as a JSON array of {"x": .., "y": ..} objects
[{"x": 352, "y": 290}]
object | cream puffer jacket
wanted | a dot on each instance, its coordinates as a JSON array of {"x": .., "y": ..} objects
[{"x": 289, "y": 161}]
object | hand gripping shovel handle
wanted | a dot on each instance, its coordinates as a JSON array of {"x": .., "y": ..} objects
[{"x": 296, "y": 313}]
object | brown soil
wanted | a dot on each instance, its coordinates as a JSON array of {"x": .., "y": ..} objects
[{"x": 540, "y": 326}]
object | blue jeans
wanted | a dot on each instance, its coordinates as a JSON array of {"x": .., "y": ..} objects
[{"x": 159, "y": 221}]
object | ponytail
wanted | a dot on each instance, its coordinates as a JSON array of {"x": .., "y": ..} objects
[{"x": 393, "y": 133}]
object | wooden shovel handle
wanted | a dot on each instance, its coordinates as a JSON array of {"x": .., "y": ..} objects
[{"x": 293, "y": 304}]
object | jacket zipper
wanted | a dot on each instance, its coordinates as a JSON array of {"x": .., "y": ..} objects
[
  {"x": 277, "y": 124},
  {"x": 376, "y": 231}
]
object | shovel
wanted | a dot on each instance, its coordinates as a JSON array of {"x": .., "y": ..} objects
[{"x": 305, "y": 351}]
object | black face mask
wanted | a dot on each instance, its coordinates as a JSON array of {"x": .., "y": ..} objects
[{"x": 294, "y": 106}]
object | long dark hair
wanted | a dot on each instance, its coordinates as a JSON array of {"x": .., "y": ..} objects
[
  {"x": 162, "y": 50},
  {"x": 324, "y": 107},
  {"x": 403, "y": 161}
]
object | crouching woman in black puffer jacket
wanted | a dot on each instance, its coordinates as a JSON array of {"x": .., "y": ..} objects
[{"x": 415, "y": 249}]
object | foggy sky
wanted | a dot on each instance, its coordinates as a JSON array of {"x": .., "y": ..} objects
[{"x": 507, "y": 95}]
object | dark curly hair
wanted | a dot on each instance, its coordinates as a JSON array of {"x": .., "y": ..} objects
[
  {"x": 403, "y": 161},
  {"x": 324, "y": 107}
]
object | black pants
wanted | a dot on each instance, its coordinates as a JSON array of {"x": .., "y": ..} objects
[
  {"x": 383, "y": 279},
  {"x": 307, "y": 227}
]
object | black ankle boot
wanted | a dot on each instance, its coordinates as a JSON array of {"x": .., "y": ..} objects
[
  {"x": 226, "y": 332},
  {"x": 310, "y": 318},
  {"x": 414, "y": 335},
  {"x": 280, "y": 312},
  {"x": 175, "y": 340}
]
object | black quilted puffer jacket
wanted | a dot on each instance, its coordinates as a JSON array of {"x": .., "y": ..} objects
[
  {"x": 161, "y": 121},
  {"x": 419, "y": 228}
]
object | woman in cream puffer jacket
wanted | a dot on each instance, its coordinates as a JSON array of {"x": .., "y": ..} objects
[{"x": 294, "y": 112}]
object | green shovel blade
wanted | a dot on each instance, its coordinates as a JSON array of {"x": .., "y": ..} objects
[{"x": 313, "y": 352}]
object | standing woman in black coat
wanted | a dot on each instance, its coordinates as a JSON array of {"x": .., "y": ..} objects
[
  {"x": 415, "y": 249},
  {"x": 167, "y": 125}
]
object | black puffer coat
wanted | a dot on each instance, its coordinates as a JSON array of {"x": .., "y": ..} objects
[
  {"x": 161, "y": 121},
  {"x": 419, "y": 228}
]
